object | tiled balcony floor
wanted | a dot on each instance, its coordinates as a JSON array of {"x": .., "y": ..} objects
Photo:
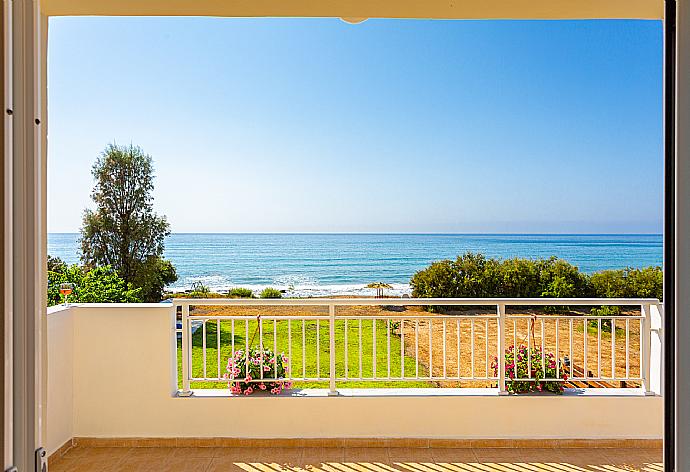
[{"x": 356, "y": 459}]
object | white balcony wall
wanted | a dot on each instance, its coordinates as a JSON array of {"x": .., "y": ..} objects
[
  {"x": 60, "y": 401},
  {"x": 122, "y": 372}
]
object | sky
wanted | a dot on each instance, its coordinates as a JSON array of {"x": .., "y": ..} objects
[{"x": 316, "y": 125}]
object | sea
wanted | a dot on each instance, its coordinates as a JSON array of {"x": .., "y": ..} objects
[{"x": 305, "y": 265}]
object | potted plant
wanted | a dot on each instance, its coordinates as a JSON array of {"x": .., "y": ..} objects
[
  {"x": 525, "y": 373},
  {"x": 257, "y": 370}
]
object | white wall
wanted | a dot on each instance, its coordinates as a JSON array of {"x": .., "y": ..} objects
[
  {"x": 60, "y": 392},
  {"x": 124, "y": 385}
]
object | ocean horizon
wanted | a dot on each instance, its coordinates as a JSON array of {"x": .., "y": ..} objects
[{"x": 322, "y": 264}]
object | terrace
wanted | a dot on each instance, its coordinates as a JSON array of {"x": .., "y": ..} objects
[
  {"x": 90, "y": 376},
  {"x": 127, "y": 386}
]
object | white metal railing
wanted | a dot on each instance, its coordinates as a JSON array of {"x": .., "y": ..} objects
[{"x": 420, "y": 346}]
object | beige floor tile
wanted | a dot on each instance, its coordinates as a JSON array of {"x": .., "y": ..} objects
[
  {"x": 633, "y": 459},
  {"x": 367, "y": 454},
  {"x": 653, "y": 455},
  {"x": 281, "y": 455},
  {"x": 542, "y": 455},
  {"x": 94, "y": 466},
  {"x": 95, "y": 463},
  {"x": 490, "y": 454},
  {"x": 191, "y": 464},
  {"x": 585, "y": 457},
  {"x": 137, "y": 464},
  {"x": 230, "y": 464},
  {"x": 184, "y": 452},
  {"x": 102, "y": 452},
  {"x": 160, "y": 453},
  {"x": 319, "y": 455},
  {"x": 238, "y": 454},
  {"x": 451, "y": 455},
  {"x": 402, "y": 454},
  {"x": 63, "y": 465}
]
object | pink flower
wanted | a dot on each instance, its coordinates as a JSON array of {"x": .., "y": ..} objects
[
  {"x": 262, "y": 386},
  {"x": 248, "y": 391},
  {"x": 266, "y": 368},
  {"x": 248, "y": 378}
]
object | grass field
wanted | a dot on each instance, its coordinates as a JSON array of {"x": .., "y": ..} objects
[{"x": 306, "y": 359}]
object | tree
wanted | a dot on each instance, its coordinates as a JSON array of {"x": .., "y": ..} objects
[
  {"x": 123, "y": 231},
  {"x": 98, "y": 285},
  {"x": 153, "y": 276}
]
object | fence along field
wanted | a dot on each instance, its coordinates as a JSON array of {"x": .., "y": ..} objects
[{"x": 407, "y": 346}]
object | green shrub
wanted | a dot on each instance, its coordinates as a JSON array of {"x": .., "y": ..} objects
[
  {"x": 625, "y": 283},
  {"x": 468, "y": 276},
  {"x": 475, "y": 276},
  {"x": 608, "y": 283},
  {"x": 270, "y": 292},
  {"x": 97, "y": 285},
  {"x": 645, "y": 283},
  {"x": 520, "y": 278},
  {"x": 153, "y": 276},
  {"x": 628, "y": 283},
  {"x": 240, "y": 292},
  {"x": 606, "y": 310},
  {"x": 193, "y": 295},
  {"x": 199, "y": 287},
  {"x": 561, "y": 279}
]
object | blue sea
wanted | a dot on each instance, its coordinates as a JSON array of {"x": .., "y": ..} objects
[{"x": 342, "y": 264}]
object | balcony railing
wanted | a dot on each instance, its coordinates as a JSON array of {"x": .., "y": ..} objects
[{"x": 329, "y": 341}]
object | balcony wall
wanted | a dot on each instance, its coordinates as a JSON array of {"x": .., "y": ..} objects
[{"x": 112, "y": 374}]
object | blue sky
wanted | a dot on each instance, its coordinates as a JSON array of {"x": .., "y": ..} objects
[{"x": 301, "y": 125}]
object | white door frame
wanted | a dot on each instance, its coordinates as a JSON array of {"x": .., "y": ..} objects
[
  {"x": 25, "y": 188},
  {"x": 681, "y": 290},
  {"x": 25, "y": 212},
  {"x": 7, "y": 238}
]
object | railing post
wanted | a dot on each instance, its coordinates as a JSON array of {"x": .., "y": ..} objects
[
  {"x": 645, "y": 343},
  {"x": 331, "y": 350},
  {"x": 501, "y": 312},
  {"x": 186, "y": 348}
]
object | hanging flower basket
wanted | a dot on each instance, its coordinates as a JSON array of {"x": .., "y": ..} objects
[
  {"x": 257, "y": 370},
  {"x": 521, "y": 365}
]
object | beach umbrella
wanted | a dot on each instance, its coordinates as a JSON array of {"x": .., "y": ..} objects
[{"x": 380, "y": 287}]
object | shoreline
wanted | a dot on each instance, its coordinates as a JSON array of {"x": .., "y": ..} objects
[{"x": 309, "y": 291}]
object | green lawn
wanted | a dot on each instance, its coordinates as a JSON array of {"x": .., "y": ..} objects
[{"x": 304, "y": 359}]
